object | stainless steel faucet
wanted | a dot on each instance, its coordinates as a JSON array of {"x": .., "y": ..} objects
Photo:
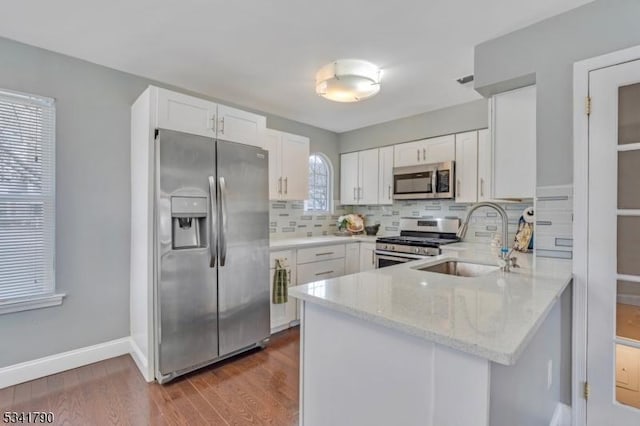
[{"x": 506, "y": 261}]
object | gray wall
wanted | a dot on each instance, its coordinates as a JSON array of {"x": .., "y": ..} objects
[
  {"x": 519, "y": 394},
  {"x": 549, "y": 49},
  {"x": 455, "y": 119},
  {"x": 92, "y": 198}
]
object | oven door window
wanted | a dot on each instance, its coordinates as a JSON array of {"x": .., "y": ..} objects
[
  {"x": 384, "y": 261},
  {"x": 413, "y": 183}
]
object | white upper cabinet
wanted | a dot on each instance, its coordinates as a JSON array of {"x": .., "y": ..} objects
[
  {"x": 438, "y": 150},
  {"x": 513, "y": 125},
  {"x": 349, "y": 178},
  {"x": 235, "y": 125},
  {"x": 273, "y": 144},
  {"x": 288, "y": 165},
  {"x": 485, "y": 166},
  {"x": 359, "y": 177},
  {"x": 385, "y": 179},
  {"x": 407, "y": 154},
  {"x": 368, "y": 177},
  {"x": 433, "y": 150},
  {"x": 295, "y": 166},
  {"x": 186, "y": 114},
  {"x": 467, "y": 167}
]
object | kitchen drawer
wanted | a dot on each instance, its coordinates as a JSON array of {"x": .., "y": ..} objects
[
  {"x": 317, "y": 271},
  {"x": 315, "y": 254},
  {"x": 286, "y": 255}
]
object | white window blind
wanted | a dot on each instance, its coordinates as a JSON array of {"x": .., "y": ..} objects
[{"x": 27, "y": 196}]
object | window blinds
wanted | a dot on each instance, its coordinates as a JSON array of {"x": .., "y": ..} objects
[{"x": 27, "y": 195}]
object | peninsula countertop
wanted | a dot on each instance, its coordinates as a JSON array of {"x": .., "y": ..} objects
[{"x": 493, "y": 316}]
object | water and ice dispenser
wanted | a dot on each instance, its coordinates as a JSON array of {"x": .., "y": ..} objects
[{"x": 188, "y": 226}]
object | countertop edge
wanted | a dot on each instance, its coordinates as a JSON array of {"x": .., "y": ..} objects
[
  {"x": 499, "y": 357},
  {"x": 296, "y": 243},
  {"x": 504, "y": 358}
]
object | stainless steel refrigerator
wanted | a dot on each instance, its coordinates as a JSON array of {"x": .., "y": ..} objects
[{"x": 211, "y": 251}]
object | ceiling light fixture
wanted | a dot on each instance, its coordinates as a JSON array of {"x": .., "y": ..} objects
[{"x": 348, "y": 80}]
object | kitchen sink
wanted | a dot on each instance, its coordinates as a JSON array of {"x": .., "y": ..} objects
[{"x": 459, "y": 269}]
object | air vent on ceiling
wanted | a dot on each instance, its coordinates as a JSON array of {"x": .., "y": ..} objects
[{"x": 465, "y": 80}]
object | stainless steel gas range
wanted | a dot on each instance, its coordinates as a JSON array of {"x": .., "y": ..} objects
[{"x": 419, "y": 238}]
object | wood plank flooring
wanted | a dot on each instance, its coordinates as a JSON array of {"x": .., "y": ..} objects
[{"x": 257, "y": 388}]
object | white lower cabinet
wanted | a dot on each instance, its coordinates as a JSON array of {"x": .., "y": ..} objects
[
  {"x": 367, "y": 256},
  {"x": 322, "y": 270},
  {"x": 309, "y": 264},
  {"x": 283, "y": 314},
  {"x": 352, "y": 259}
]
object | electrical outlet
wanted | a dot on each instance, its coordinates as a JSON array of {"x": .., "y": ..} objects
[{"x": 549, "y": 374}]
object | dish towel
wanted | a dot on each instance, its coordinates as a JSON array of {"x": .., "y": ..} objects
[{"x": 280, "y": 283}]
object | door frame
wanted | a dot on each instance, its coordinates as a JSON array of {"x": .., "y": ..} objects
[{"x": 581, "y": 72}]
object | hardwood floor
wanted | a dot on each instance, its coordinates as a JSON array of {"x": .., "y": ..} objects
[{"x": 258, "y": 388}]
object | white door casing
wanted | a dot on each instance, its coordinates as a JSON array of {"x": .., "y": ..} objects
[{"x": 603, "y": 266}]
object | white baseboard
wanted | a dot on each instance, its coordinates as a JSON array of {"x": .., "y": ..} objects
[
  {"x": 561, "y": 415},
  {"x": 629, "y": 299},
  {"x": 141, "y": 361},
  {"x": 31, "y": 370}
]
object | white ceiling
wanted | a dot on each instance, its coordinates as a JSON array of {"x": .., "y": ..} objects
[{"x": 264, "y": 54}]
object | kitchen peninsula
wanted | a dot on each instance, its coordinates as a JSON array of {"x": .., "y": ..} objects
[{"x": 400, "y": 345}]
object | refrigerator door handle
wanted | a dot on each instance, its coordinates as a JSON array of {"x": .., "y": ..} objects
[
  {"x": 213, "y": 239},
  {"x": 223, "y": 233}
]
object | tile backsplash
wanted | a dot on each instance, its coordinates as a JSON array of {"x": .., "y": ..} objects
[
  {"x": 288, "y": 219},
  {"x": 483, "y": 227}
]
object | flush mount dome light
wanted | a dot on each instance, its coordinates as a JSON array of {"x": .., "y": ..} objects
[{"x": 348, "y": 80}]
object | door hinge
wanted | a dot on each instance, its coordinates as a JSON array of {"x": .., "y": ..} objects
[
  {"x": 587, "y": 390},
  {"x": 587, "y": 105}
]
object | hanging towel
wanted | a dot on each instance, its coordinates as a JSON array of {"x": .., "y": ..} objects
[{"x": 280, "y": 283}]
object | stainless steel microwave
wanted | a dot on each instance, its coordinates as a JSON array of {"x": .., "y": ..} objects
[{"x": 425, "y": 181}]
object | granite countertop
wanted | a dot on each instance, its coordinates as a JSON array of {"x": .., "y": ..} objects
[
  {"x": 294, "y": 243},
  {"x": 493, "y": 316}
]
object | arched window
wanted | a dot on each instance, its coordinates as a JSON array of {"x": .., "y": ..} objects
[{"x": 320, "y": 184}]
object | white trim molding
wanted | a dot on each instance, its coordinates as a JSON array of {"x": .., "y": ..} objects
[
  {"x": 31, "y": 302},
  {"x": 41, "y": 367},
  {"x": 141, "y": 362},
  {"x": 581, "y": 72}
]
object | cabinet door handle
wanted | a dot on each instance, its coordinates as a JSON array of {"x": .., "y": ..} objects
[
  {"x": 213, "y": 123},
  {"x": 286, "y": 185},
  {"x": 373, "y": 258},
  {"x": 418, "y": 154},
  {"x": 458, "y": 188},
  {"x": 481, "y": 187},
  {"x": 424, "y": 154},
  {"x": 280, "y": 185},
  {"x": 222, "y": 125},
  {"x": 324, "y": 254},
  {"x": 324, "y": 273},
  {"x": 359, "y": 193},
  {"x": 355, "y": 197},
  {"x": 389, "y": 192}
]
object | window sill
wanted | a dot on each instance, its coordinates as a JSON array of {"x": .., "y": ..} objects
[{"x": 34, "y": 302}]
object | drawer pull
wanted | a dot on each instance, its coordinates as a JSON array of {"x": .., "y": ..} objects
[
  {"x": 324, "y": 273},
  {"x": 324, "y": 254}
]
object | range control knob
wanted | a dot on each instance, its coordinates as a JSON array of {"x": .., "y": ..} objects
[
  {"x": 392, "y": 248},
  {"x": 417, "y": 250}
]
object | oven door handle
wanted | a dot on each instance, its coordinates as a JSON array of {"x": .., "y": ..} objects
[
  {"x": 394, "y": 259},
  {"x": 401, "y": 257}
]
